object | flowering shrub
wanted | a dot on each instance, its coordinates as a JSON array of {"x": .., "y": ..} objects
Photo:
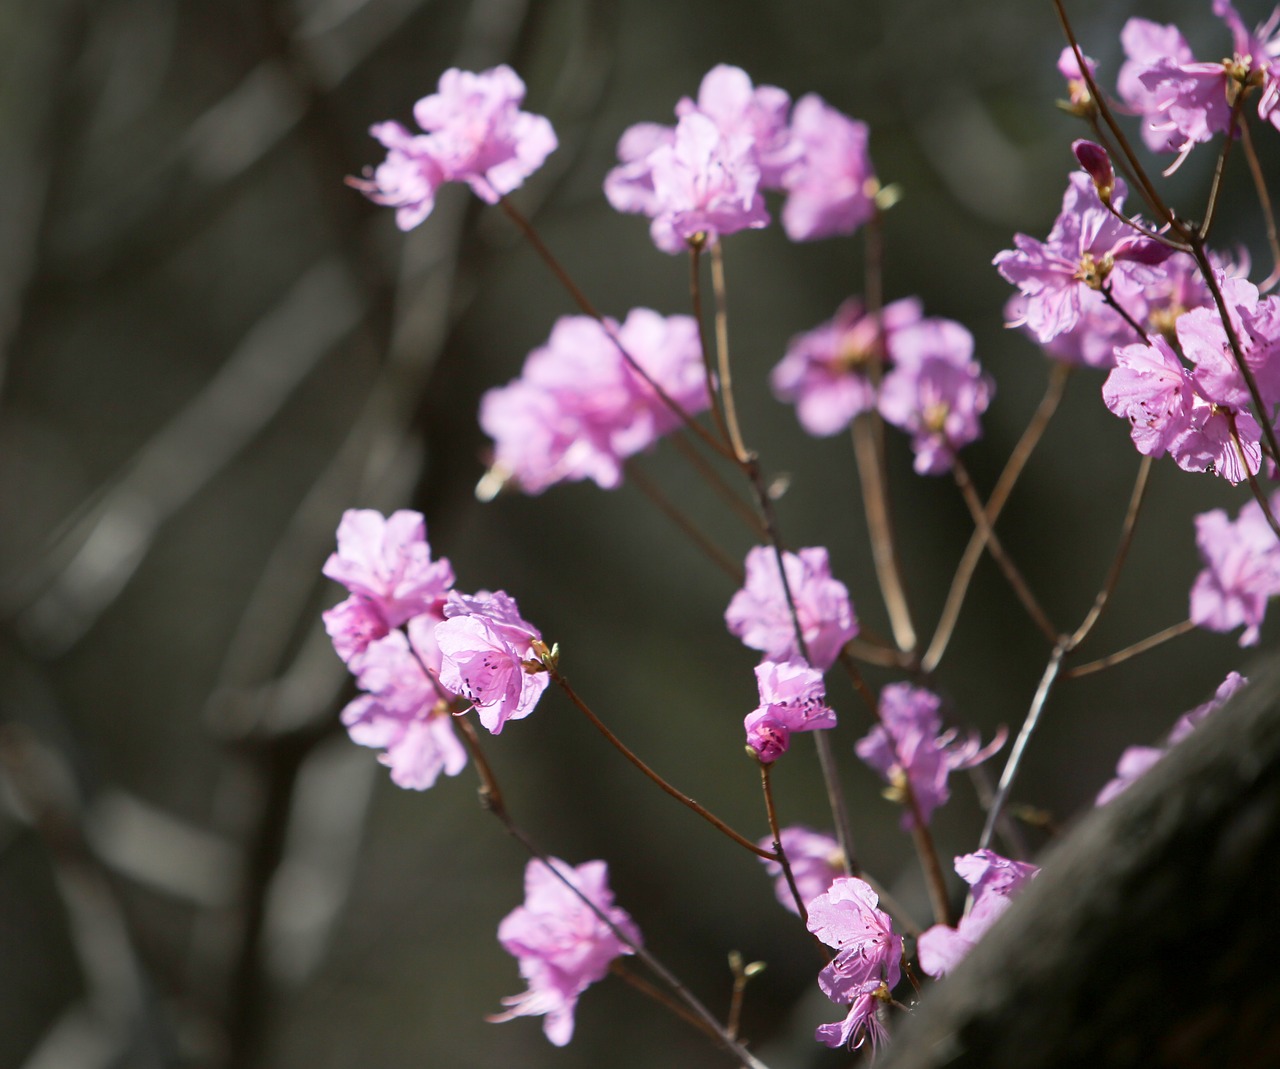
[{"x": 1190, "y": 348}]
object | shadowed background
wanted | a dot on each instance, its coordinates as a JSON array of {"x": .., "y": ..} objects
[{"x": 211, "y": 347}]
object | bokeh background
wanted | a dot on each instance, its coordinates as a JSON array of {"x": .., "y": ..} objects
[{"x": 211, "y": 347}]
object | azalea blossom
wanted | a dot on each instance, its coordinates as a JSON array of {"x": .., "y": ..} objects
[
  {"x": 792, "y": 698},
  {"x": 385, "y": 563},
  {"x": 815, "y": 859},
  {"x": 909, "y": 748},
  {"x": 826, "y": 372},
  {"x": 1136, "y": 761},
  {"x": 831, "y": 190},
  {"x": 760, "y": 616},
  {"x": 1241, "y": 573},
  {"x": 475, "y": 133},
  {"x": 579, "y": 409},
  {"x": 488, "y": 656},
  {"x": 402, "y": 712},
  {"x": 994, "y": 881},
  {"x": 562, "y": 945},
  {"x": 866, "y": 967}
]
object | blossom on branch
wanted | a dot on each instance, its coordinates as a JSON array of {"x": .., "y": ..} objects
[
  {"x": 994, "y": 882},
  {"x": 475, "y": 133},
  {"x": 866, "y": 967},
  {"x": 792, "y": 698},
  {"x": 760, "y": 614},
  {"x": 562, "y": 945},
  {"x": 910, "y": 750},
  {"x": 815, "y": 859},
  {"x": 832, "y": 189},
  {"x": 1241, "y": 573}
]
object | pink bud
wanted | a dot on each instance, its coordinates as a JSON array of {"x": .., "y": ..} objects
[{"x": 1097, "y": 164}]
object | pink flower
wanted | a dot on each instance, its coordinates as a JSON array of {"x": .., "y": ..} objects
[
  {"x": 792, "y": 698},
  {"x": 826, "y": 371},
  {"x": 995, "y": 881},
  {"x": 476, "y": 133},
  {"x": 402, "y": 712},
  {"x": 727, "y": 97},
  {"x": 1087, "y": 250},
  {"x": 1136, "y": 761},
  {"x": 562, "y": 945},
  {"x": 1242, "y": 570},
  {"x": 705, "y": 185},
  {"x": 386, "y": 565},
  {"x": 579, "y": 409},
  {"x": 867, "y": 963},
  {"x": 1077, "y": 87},
  {"x": 909, "y": 747},
  {"x": 1154, "y": 53},
  {"x": 488, "y": 657},
  {"x": 832, "y": 189},
  {"x": 935, "y": 392},
  {"x": 759, "y": 614},
  {"x": 815, "y": 858}
]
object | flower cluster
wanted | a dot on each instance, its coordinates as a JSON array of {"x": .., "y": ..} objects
[
  {"x": 1241, "y": 573},
  {"x": 705, "y": 177},
  {"x": 563, "y": 945},
  {"x": 994, "y": 882},
  {"x": 910, "y": 750},
  {"x": 580, "y": 408},
  {"x": 1137, "y": 760},
  {"x": 420, "y": 651},
  {"x": 933, "y": 389},
  {"x": 866, "y": 967},
  {"x": 1183, "y": 103},
  {"x": 475, "y": 133}
]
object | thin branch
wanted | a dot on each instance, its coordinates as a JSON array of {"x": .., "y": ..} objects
[
  {"x": 767, "y": 787},
  {"x": 676, "y": 515},
  {"x": 1264, "y": 200},
  {"x": 1149, "y": 643},
  {"x": 995, "y": 504},
  {"x": 722, "y": 350}
]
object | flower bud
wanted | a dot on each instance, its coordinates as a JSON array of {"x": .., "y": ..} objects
[{"x": 1097, "y": 165}]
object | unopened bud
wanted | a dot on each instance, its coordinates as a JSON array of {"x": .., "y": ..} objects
[{"x": 1097, "y": 165}]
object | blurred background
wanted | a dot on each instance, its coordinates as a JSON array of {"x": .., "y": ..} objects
[{"x": 210, "y": 347}]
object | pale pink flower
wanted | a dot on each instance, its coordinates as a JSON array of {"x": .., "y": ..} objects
[
  {"x": 909, "y": 748},
  {"x": 1136, "y": 761},
  {"x": 760, "y": 616},
  {"x": 826, "y": 371},
  {"x": 579, "y": 409},
  {"x": 867, "y": 962},
  {"x": 815, "y": 859},
  {"x": 562, "y": 945},
  {"x": 476, "y": 133},
  {"x": 792, "y": 698},
  {"x": 1242, "y": 570},
  {"x": 488, "y": 657},
  {"x": 995, "y": 882},
  {"x": 831, "y": 190},
  {"x": 385, "y": 562}
]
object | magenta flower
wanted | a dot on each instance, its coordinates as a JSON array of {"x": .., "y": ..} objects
[
  {"x": 402, "y": 713},
  {"x": 935, "y": 391},
  {"x": 760, "y": 617},
  {"x": 1155, "y": 52},
  {"x": 815, "y": 858},
  {"x": 792, "y": 698},
  {"x": 826, "y": 371},
  {"x": 488, "y": 657},
  {"x": 995, "y": 881},
  {"x": 579, "y": 409},
  {"x": 386, "y": 565},
  {"x": 562, "y": 946},
  {"x": 1136, "y": 761},
  {"x": 909, "y": 748},
  {"x": 867, "y": 963},
  {"x": 1241, "y": 574},
  {"x": 831, "y": 190},
  {"x": 476, "y": 133},
  {"x": 1088, "y": 250}
]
